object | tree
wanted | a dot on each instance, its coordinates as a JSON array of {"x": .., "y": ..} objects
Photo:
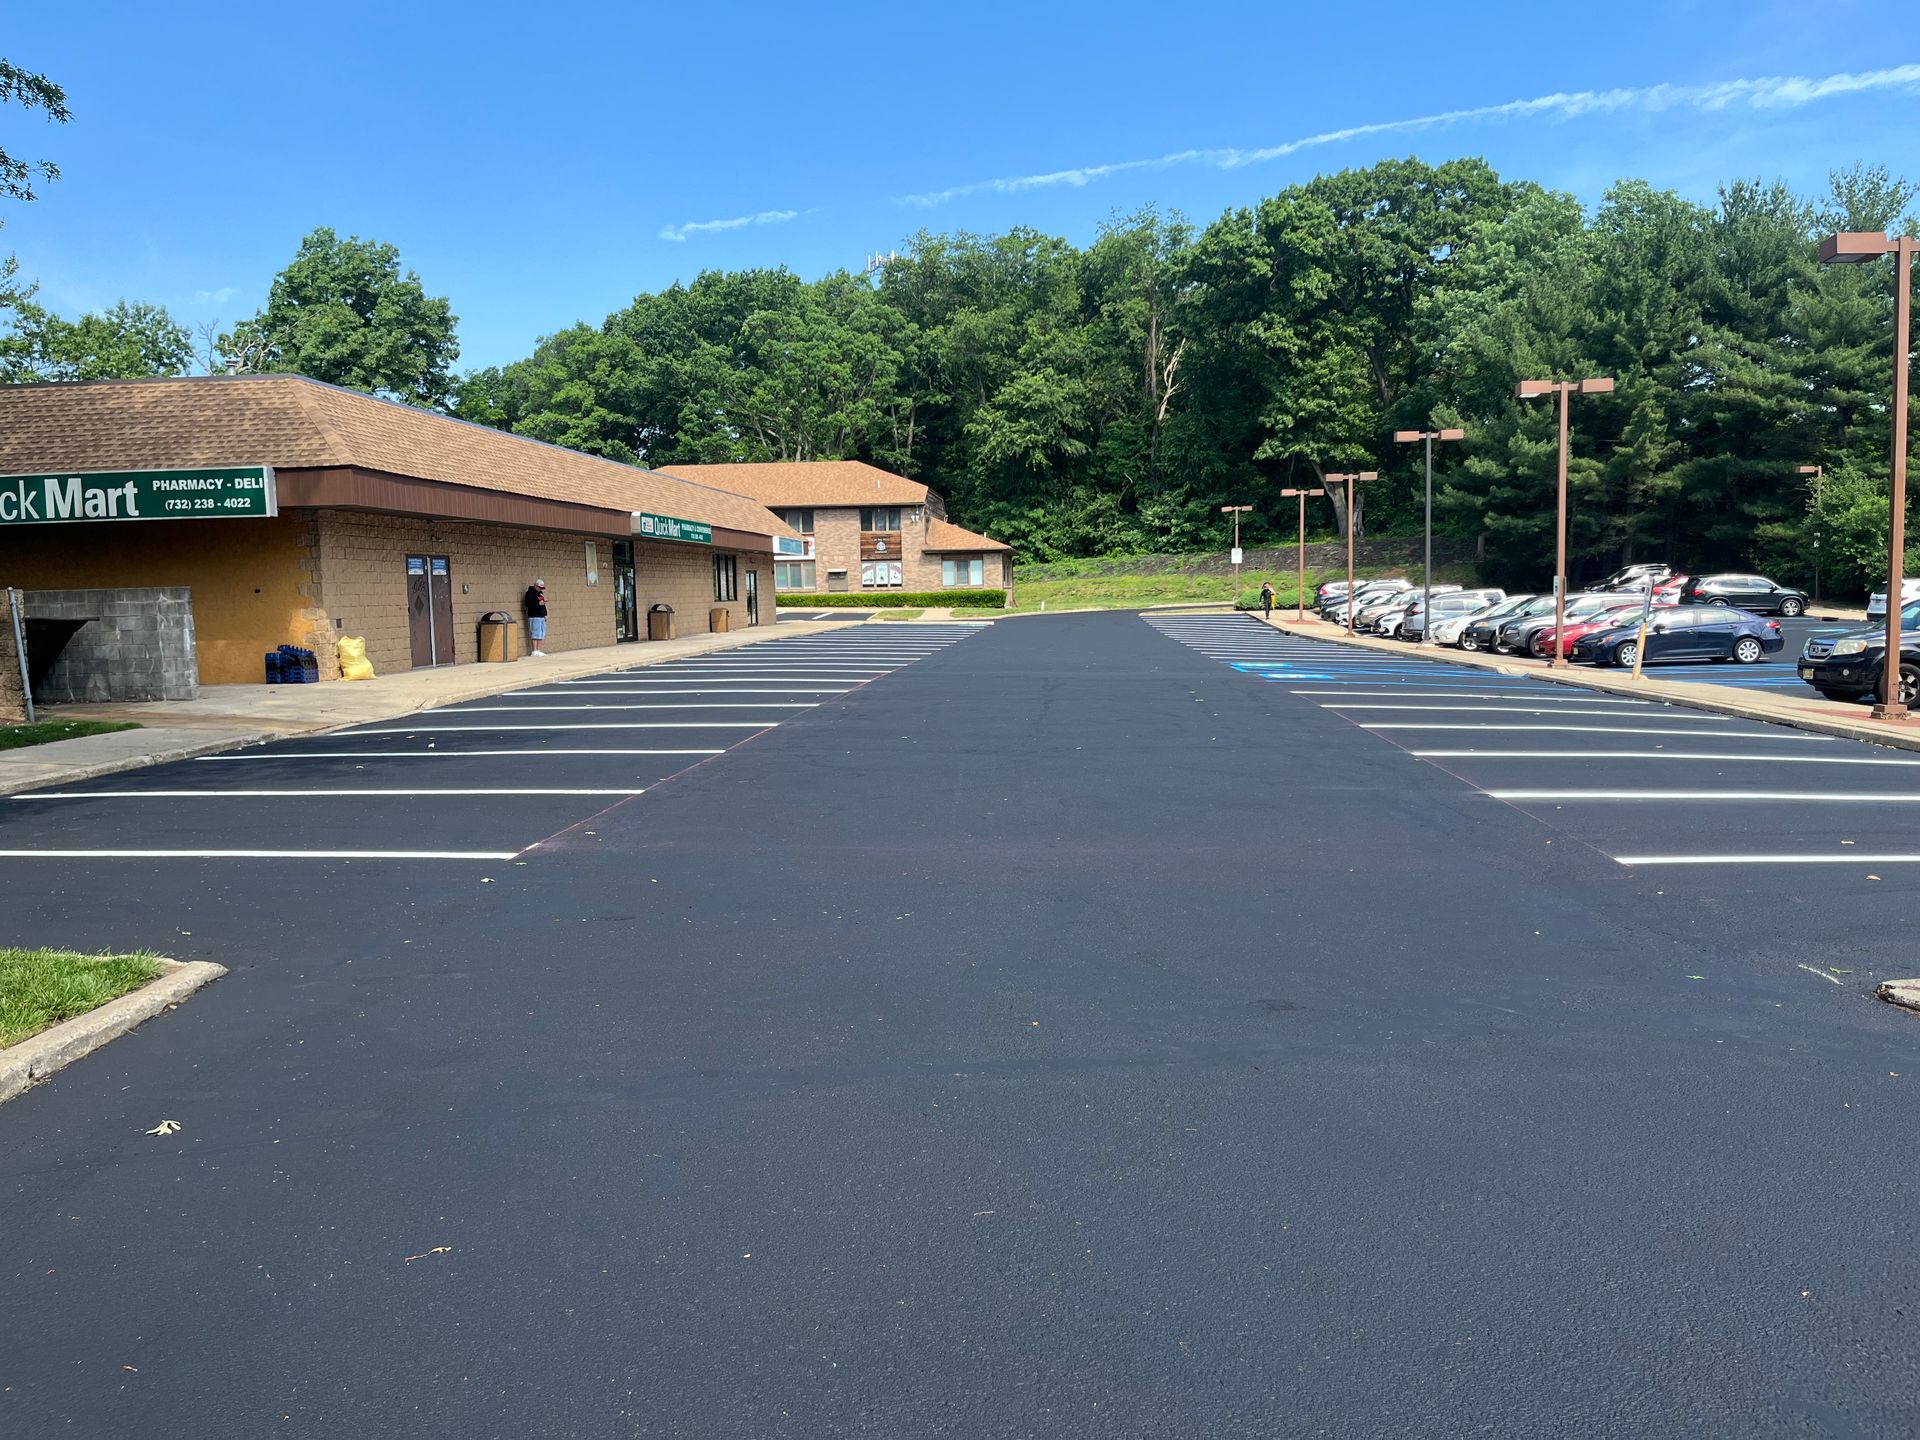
[
  {"x": 30, "y": 92},
  {"x": 344, "y": 313},
  {"x": 127, "y": 342}
]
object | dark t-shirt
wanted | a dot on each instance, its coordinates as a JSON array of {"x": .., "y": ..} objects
[{"x": 536, "y": 603}]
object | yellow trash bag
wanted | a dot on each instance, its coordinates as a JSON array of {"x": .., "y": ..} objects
[{"x": 354, "y": 664}]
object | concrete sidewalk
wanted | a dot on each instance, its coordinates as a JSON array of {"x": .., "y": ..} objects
[
  {"x": 227, "y": 716},
  {"x": 1826, "y": 717}
]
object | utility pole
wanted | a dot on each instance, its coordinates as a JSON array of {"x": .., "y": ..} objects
[
  {"x": 1236, "y": 511},
  {"x": 1350, "y": 478},
  {"x": 1300, "y": 591},
  {"x": 1407, "y": 437},
  {"x": 1565, "y": 390}
]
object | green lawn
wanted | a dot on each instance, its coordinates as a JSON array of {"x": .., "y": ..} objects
[
  {"x": 44, "y": 732},
  {"x": 39, "y": 988},
  {"x": 1132, "y": 592},
  {"x": 899, "y": 614}
]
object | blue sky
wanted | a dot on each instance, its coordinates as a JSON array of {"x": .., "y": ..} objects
[{"x": 543, "y": 164}]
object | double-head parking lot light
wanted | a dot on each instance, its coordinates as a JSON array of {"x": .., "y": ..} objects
[
  {"x": 1300, "y": 595},
  {"x": 1408, "y": 437},
  {"x": 1819, "y": 473},
  {"x": 1236, "y": 511},
  {"x": 1856, "y": 247},
  {"x": 1350, "y": 478},
  {"x": 1565, "y": 389}
]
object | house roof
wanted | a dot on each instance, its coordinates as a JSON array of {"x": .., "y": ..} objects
[
  {"x": 944, "y": 537},
  {"x": 293, "y": 423},
  {"x": 809, "y": 482}
]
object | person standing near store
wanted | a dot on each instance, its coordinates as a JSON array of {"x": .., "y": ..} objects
[
  {"x": 1266, "y": 599},
  {"x": 536, "y": 603}
]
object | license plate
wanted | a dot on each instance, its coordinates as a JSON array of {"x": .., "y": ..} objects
[{"x": 1806, "y": 672}]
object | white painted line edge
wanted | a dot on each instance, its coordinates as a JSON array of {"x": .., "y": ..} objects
[
  {"x": 289, "y": 794},
  {"x": 259, "y": 854}
]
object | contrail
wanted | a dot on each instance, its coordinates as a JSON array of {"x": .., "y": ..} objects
[
  {"x": 1765, "y": 93},
  {"x": 697, "y": 227}
]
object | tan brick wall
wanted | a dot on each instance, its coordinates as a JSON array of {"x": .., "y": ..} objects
[
  {"x": 682, "y": 576},
  {"x": 13, "y": 700},
  {"x": 836, "y": 536}
]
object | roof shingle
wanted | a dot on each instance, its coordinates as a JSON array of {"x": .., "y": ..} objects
[
  {"x": 292, "y": 423},
  {"x": 944, "y": 537},
  {"x": 808, "y": 482}
]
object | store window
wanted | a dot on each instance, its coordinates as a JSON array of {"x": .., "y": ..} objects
[
  {"x": 883, "y": 517},
  {"x": 801, "y": 520},
  {"x": 793, "y": 574},
  {"x": 726, "y": 578},
  {"x": 880, "y": 575},
  {"x": 955, "y": 573}
]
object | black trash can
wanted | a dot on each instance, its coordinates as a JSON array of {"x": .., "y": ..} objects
[
  {"x": 660, "y": 622},
  {"x": 496, "y": 637}
]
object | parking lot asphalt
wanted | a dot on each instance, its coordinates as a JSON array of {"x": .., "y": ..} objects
[{"x": 1077, "y": 1032}]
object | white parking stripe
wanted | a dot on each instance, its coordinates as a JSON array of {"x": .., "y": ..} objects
[
  {"x": 1587, "y": 730},
  {"x": 288, "y": 794},
  {"x": 259, "y": 854},
  {"x": 437, "y": 754},
  {"x": 1860, "y": 859},
  {"x": 1469, "y": 695},
  {"x": 670, "y": 705},
  {"x": 1617, "y": 713},
  {"x": 732, "y": 689},
  {"x": 592, "y": 725},
  {"x": 1652, "y": 755},
  {"x": 1839, "y": 797}
]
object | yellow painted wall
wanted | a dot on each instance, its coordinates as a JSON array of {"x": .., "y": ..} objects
[{"x": 253, "y": 581}]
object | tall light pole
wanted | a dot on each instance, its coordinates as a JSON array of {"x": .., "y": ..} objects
[
  {"x": 1855, "y": 247},
  {"x": 1565, "y": 389},
  {"x": 1300, "y": 592},
  {"x": 1236, "y": 511},
  {"x": 1819, "y": 473},
  {"x": 1350, "y": 478},
  {"x": 1408, "y": 437}
]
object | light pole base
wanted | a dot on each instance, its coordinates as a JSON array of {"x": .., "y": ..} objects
[{"x": 1895, "y": 711}]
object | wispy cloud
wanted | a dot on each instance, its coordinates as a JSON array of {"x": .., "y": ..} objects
[
  {"x": 700, "y": 227},
  {"x": 214, "y": 297},
  {"x": 1774, "y": 92}
]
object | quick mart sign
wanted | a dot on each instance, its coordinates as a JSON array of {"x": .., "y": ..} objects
[
  {"x": 232, "y": 492},
  {"x": 671, "y": 527}
]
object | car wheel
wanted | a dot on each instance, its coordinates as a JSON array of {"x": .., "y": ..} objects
[
  {"x": 1467, "y": 642},
  {"x": 1909, "y": 684},
  {"x": 1792, "y": 608},
  {"x": 1720, "y": 600},
  {"x": 1747, "y": 650},
  {"x": 1625, "y": 654}
]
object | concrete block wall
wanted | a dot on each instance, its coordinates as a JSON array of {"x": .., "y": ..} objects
[
  {"x": 13, "y": 698},
  {"x": 682, "y": 576},
  {"x": 139, "y": 644}
]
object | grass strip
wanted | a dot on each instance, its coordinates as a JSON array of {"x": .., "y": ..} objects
[
  {"x": 45, "y": 732},
  {"x": 39, "y": 988}
]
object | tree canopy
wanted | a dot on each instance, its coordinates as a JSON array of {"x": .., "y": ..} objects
[
  {"x": 125, "y": 342},
  {"x": 1108, "y": 399},
  {"x": 344, "y": 312}
]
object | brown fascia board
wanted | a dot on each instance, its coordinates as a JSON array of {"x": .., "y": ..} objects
[{"x": 349, "y": 487}]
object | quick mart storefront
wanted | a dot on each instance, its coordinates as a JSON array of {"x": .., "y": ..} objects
[{"x": 290, "y": 551}]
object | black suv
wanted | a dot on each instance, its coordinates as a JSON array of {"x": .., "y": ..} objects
[
  {"x": 1745, "y": 592},
  {"x": 1849, "y": 666}
]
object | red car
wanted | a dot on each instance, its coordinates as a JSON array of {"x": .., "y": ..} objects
[{"x": 1623, "y": 613}]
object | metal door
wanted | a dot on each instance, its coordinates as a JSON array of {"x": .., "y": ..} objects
[
  {"x": 626, "y": 605},
  {"x": 419, "y": 611},
  {"x": 753, "y": 596},
  {"x": 440, "y": 585}
]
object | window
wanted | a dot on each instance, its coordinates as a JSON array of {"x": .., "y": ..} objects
[
  {"x": 801, "y": 520},
  {"x": 962, "y": 572},
  {"x": 726, "y": 578},
  {"x": 879, "y": 574},
  {"x": 884, "y": 517},
  {"x": 793, "y": 574}
]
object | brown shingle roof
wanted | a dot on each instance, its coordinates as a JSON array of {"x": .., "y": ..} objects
[
  {"x": 944, "y": 537},
  {"x": 293, "y": 423},
  {"x": 809, "y": 482}
]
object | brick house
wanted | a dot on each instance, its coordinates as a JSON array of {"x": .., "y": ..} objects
[
  {"x": 379, "y": 520},
  {"x": 863, "y": 529}
]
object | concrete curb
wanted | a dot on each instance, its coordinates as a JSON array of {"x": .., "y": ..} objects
[
  {"x": 1904, "y": 993},
  {"x": 39, "y": 1056},
  {"x": 139, "y": 760},
  {"x": 1714, "y": 699}
]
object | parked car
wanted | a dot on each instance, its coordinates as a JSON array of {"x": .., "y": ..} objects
[
  {"x": 1516, "y": 636},
  {"x": 1415, "y": 608},
  {"x": 1336, "y": 606},
  {"x": 1877, "y": 602},
  {"x": 1686, "y": 632},
  {"x": 1542, "y": 643},
  {"x": 1459, "y": 605},
  {"x": 1481, "y": 633},
  {"x": 1371, "y": 609},
  {"x": 1634, "y": 576},
  {"x": 1848, "y": 666},
  {"x": 1452, "y": 629},
  {"x": 1754, "y": 593}
]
